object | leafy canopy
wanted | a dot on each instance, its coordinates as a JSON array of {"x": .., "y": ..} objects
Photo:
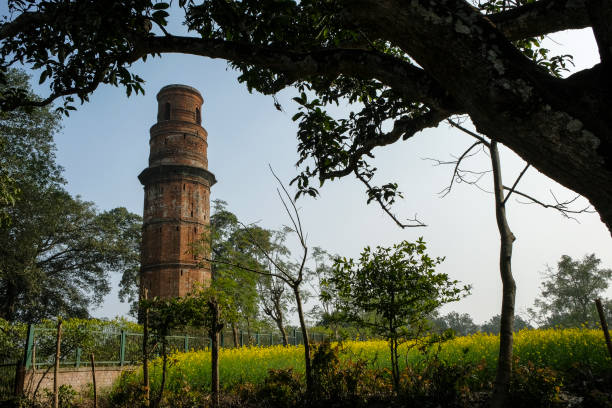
[
  {"x": 398, "y": 285},
  {"x": 57, "y": 251},
  {"x": 568, "y": 293}
]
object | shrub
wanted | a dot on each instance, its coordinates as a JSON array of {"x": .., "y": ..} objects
[
  {"x": 281, "y": 389},
  {"x": 534, "y": 386}
]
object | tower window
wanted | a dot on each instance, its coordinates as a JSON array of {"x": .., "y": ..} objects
[
  {"x": 183, "y": 187},
  {"x": 167, "y": 111},
  {"x": 195, "y": 229},
  {"x": 198, "y": 116},
  {"x": 177, "y": 228},
  {"x": 192, "y": 213}
]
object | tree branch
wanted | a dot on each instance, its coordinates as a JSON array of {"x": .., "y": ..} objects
[
  {"x": 386, "y": 208},
  {"x": 511, "y": 190},
  {"x": 541, "y": 17},
  {"x": 404, "y": 128},
  {"x": 404, "y": 77}
]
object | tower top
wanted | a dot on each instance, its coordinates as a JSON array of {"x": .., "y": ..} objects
[{"x": 173, "y": 87}]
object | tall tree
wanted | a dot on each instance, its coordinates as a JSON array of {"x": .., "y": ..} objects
[
  {"x": 231, "y": 242},
  {"x": 293, "y": 274},
  {"x": 493, "y": 324},
  {"x": 412, "y": 64},
  {"x": 328, "y": 311},
  {"x": 57, "y": 251},
  {"x": 273, "y": 294},
  {"x": 461, "y": 323},
  {"x": 568, "y": 293}
]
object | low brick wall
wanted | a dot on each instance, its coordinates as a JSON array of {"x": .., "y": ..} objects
[{"x": 79, "y": 378}]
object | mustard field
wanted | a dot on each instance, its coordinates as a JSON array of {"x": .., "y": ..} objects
[{"x": 558, "y": 349}]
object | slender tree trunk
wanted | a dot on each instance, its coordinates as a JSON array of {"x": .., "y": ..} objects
[
  {"x": 58, "y": 343},
  {"x": 394, "y": 364},
  {"x": 281, "y": 328},
  {"x": 214, "y": 355},
  {"x": 163, "y": 379},
  {"x": 298, "y": 301},
  {"x": 280, "y": 322},
  {"x": 504, "y": 365},
  {"x": 248, "y": 321},
  {"x": 145, "y": 354},
  {"x": 235, "y": 335},
  {"x": 93, "y": 379}
]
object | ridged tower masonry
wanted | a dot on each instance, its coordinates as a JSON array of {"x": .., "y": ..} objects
[{"x": 176, "y": 195}]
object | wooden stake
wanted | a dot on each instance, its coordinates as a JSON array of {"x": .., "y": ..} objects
[
  {"x": 604, "y": 325},
  {"x": 58, "y": 342},
  {"x": 145, "y": 352},
  {"x": 93, "y": 377}
]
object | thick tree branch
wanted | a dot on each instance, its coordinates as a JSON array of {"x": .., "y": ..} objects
[
  {"x": 541, "y": 17},
  {"x": 412, "y": 82},
  {"x": 600, "y": 13}
]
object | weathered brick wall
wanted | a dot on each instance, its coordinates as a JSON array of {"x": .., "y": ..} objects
[
  {"x": 78, "y": 378},
  {"x": 177, "y": 195}
]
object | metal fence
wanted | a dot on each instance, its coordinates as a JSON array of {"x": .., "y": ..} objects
[{"x": 120, "y": 348}]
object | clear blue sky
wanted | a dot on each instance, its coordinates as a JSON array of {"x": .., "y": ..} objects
[{"x": 104, "y": 146}]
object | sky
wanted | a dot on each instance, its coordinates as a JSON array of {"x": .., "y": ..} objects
[{"x": 103, "y": 146}]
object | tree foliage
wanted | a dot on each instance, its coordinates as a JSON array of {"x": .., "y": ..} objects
[
  {"x": 493, "y": 324},
  {"x": 407, "y": 66},
  {"x": 392, "y": 291},
  {"x": 568, "y": 293},
  {"x": 460, "y": 323},
  {"x": 57, "y": 251}
]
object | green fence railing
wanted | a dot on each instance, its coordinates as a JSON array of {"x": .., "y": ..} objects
[{"x": 121, "y": 347}]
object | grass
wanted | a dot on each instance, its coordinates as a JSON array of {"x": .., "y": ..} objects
[{"x": 558, "y": 349}]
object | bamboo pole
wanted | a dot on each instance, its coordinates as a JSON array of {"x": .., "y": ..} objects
[
  {"x": 604, "y": 325},
  {"x": 58, "y": 342},
  {"x": 145, "y": 352},
  {"x": 93, "y": 377}
]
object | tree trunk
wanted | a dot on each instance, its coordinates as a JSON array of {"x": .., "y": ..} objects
[
  {"x": 281, "y": 328},
  {"x": 93, "y": 379},
  {"x": 214, "y": 355},
  {"x": 248, "y": 321},
  {"x": 298, "y": 301},
  {"x": 163, "y": 379},
  {"x": 394, "y": 363},
  {"x": 280, "y": 323},
  {"x": 235, "y": 335},
  {"x": 58, "y": 343},
  {"x": 504, "y": 365},
  {"x": 8, "y": 310},
  {"x": 145, "y": 354}
]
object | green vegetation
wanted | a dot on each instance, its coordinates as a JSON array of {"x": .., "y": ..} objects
[
  {"x": 568, "y": 293},
  {"x": 392, "y": 291},
  {"x": 56, "y": 251},
  {"x": 555, "y": 355}
]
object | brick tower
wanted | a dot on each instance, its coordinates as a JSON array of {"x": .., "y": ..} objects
[{"x": 177, "y": 194}]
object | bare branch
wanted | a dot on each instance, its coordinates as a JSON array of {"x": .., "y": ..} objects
[
  {"x": 469, "y": 132},
  {"x": 297, "y": 223},
  {"x": 561, "y": 206},
  {"x": 511, "y": 190}
]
